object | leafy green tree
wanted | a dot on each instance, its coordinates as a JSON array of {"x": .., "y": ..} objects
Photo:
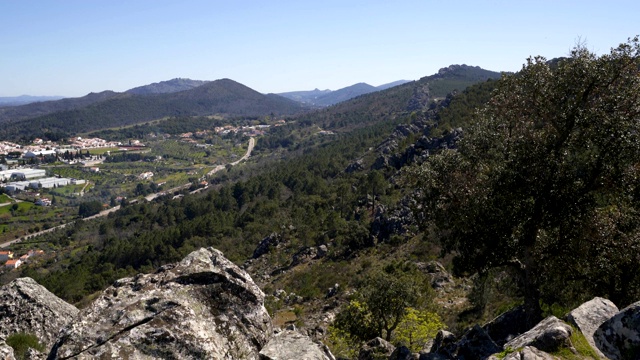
[
  {"x": 417, "y": 327},
  {"x": 381, "y": 305},
  {"x": 89, "y": 208},
  {"x": 547, "y": 171}
]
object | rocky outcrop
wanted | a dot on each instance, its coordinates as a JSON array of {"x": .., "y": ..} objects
[
  {"x": 266, "y": 244},
  {"x": 26, "y": 306},
  {"x": 6, "y": 352},
  {"x": 440, "y": 278},
  {"x": 202, "y": 307},
  {"x": 291, "y": 344},
  {"x": 590, "y": 315},
  {"x": 475, "y": 344},
  {"x": 526, "y": 353},
  {"x": 619, "y": 337},
  {"x": 507, "y": 326},
  {"x": 401, "y": 353},
  {"x": 375, "y": 349},
  {"x": 549, "y": 335}
]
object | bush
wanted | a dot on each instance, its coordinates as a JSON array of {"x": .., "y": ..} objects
[{"x": 21, "y": 342}]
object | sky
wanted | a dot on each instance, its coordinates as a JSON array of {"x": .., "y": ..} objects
[{"x": 71, "y": 48}]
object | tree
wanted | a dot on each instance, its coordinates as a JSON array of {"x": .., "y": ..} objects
[
  {"x": 381, "y": 305},
  {"x": 547, "y": 167},
  {"x": 89, "y": 208}
]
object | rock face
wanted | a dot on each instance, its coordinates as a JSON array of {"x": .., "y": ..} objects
[
  {"x": 549, "y": 335},
  {"x": 374, "y": 349},
  {"x": 26, "y": 306},
  {"x": 590, "y": 315},
  {"x": 203, "y": 307},
  {"x": 6, "y": 352},
  {"x": 290, "y": 344},
  {"x": 266, "y": 245},
  {"x": 507, "y": 326},
  {"x": 619, "y": 337},
  {"x": 475, "y": 344},
  {"x": 526, "y": 353}
]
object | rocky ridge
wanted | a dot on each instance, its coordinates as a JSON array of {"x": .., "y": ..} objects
[{"x": 207, "y": 307}]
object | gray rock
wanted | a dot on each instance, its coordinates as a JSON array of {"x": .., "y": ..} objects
[
  {"x": 401, "y": 353},
  {"x": 26, "y": 306},
  {"x": 549, "y": 335},
  {"x": 6, "y": 351},
  {"x": 202, "y": 307},
  {"x": 375, "y": 349},
  {"x": 619, "y": 337},
  {"x": 266, "y": 245},
  {"x": 476, "y": 345},
  {"x": 590, "y": 315},
  {"x": 526, "y": 353},
  {"x": 507, "y": 326},
  {"x": 293, "y": 345},
  {"x": 444, "y": 343}
]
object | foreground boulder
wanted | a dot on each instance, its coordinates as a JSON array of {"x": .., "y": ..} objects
[
  {"x": 291, "y": 344},
  {"x": 377, "y": 348},
  {"x": 507, "y": 325},
  {"x": 27, "y": 307},
  {"x": 619, "y": 337},
  {"x": 549, "y": 335},
  {"x": 6, "y": 352},
  {"x": 590, "y": 315},
  {"x": 203, "y": 307}
]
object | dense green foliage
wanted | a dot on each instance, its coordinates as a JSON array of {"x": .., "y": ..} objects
[{"x": 545, "y": 181}]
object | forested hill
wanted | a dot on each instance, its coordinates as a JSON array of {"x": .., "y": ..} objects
[
  {"x": 217, "y": 97},
  {"x": 15, "y": 113},
  {"x": 166, "y": 87},
  {"x": 398, "y": 100},
  {"x": 324, "y": 98}
]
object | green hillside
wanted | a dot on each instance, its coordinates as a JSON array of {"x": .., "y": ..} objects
[{"x": 224, "y": 96}]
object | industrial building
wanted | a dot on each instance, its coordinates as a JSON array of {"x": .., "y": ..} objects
[
  {"x": 22, "y": 174},
  {"x": 49, "y": 183}
]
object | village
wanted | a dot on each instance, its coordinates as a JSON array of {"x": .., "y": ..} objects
[{"x": 12, "y": 261}]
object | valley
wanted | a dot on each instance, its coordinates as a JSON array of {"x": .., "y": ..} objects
[{"x": 406, "y": 215}]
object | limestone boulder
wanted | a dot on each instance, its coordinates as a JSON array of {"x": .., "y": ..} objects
[
  {"x": 476, "y": 344},
  {"x": 548, "y": 335},
  {"x": 203, "y": 307},
  {"x": 6, "y": 352},
  {"x": 291, "y": 344},
  {"x": 590, "y": 315},
  {"x": 27, "y": 307},
  {"x": 618, "y": 338},
  {"x": 507, "y": 325},
  {"x": 375, "y": 349}
]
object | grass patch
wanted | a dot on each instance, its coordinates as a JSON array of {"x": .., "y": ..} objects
[
  {"x": 21, "y": 342},
  {"x": 583, "y": 349},
  {"x": 4, "y": 199}
]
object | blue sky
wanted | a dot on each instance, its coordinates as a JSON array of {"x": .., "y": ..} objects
[{"x": 71, "y": 48}]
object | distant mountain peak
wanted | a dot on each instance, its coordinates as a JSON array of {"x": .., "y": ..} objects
[{"x": 167, "y": 87}]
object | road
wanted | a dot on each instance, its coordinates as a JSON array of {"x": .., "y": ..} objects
[{"x": 252, "y": 143}]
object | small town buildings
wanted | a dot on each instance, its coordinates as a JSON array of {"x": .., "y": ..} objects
[
  {"x": 33, "y": 154},
  {"x": 49, "y": 183},
  {"x": 22, "y": 174},
  {"x": 6, "y": 255},
  {"x": 43, "y": 202},
  {"x": 13, "y": 264}
]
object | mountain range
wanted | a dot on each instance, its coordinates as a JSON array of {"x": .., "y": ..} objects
[
  {"x": 26, "y": 99},
  {"x": 323, "y": 98},
  {"x": 107, "y": 109}
]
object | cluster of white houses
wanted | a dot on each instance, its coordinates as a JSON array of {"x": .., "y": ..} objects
[
  {"x": 11, "y": 262},
  {"x": 22, "y": 179}
]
